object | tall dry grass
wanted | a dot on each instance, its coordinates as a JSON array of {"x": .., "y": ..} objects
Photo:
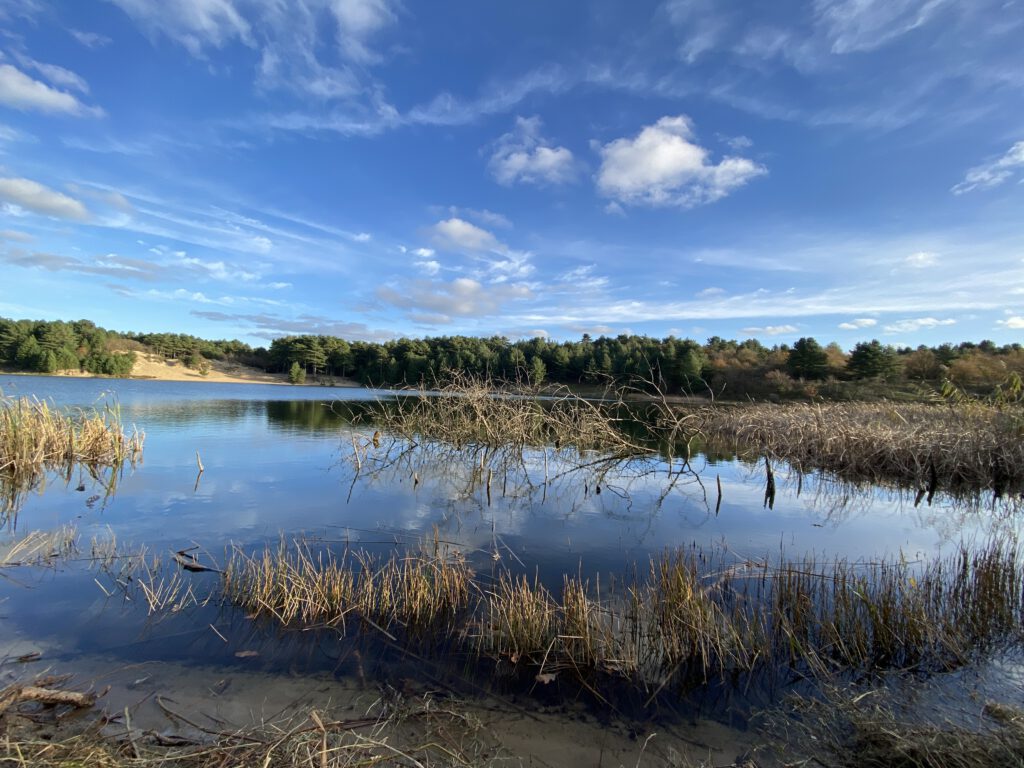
[
  {"x": 953, "y": 447},
  {"x": 36, "y": 438},
  {"x": 690, "y": 619}
]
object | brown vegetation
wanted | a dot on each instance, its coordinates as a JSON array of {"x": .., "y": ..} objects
[
  {"x": 36, "y": 439},
  {"x": 953, "y": 447},
  {"x": 693, "y": 618}
]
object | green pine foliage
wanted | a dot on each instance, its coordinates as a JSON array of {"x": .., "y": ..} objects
[{"x": 727, "y": 368}]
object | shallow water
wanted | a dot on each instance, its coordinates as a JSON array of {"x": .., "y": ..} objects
[{"x": 279, "y": 463}]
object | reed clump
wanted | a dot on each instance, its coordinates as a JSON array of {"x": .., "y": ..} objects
[
  {"x": 468, "y": 410},
  {"x": 691, "y": 619},
  {"x": 36, "y": 438},
  {"x": 416, "y": 593},
  {"x": 926, "y": 446}
]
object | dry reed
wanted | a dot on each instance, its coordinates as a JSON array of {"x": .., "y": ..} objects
[
  {"x": 477, "y": 411},
  {"x": 956, "y": 448},
  {"x": 393, "y": 731},
  {"x": 691, "y": 620},
  {"x": 851, "y": 726},
  {"x": 35, "y": 439}
]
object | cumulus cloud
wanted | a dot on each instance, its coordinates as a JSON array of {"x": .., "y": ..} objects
[
  {"x": 769, "y": 330},
  {"x": 429, "y": 266},
  {"x": 32, "y": 196},
  {"x": 917, "y": 324},
  {"x": 460, "y": 235},
  {"x": 994, "y": 172},
  {"x": 663, "y": 166},
  {"x": 21, "y": 92},
  {"x": 462, "y": 297},
  {"x": 860, "y": 322},
  {"x": 524, "y": 156},
  {"x": 1015, "y": 323}
]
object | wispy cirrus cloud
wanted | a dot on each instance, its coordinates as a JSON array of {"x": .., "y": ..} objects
[
  {"x": 271, "y": 326},
  {"x": 994, "y": 172},
  {"x": 916, "y": 324},
  {"x": 769, "y": 330},
  {"x": 90, "y": 39},
  {"x": 110, "y": 265}
]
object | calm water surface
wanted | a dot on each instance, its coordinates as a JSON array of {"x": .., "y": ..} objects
[{"x": 279, "y": 463}]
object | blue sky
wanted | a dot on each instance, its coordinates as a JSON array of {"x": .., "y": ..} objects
[{"x": 845, "y": 169}]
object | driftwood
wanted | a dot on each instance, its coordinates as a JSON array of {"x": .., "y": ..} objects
[{"x": 19, "y": 694}]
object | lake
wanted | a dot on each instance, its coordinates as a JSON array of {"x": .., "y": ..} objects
[{"x": 281, "y": 463}]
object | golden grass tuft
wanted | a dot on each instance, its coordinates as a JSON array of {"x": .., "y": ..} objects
[
  {"x": 692, "y": 619},
  {"x": 36, "y": 438},
  {"x": 956, "y": 448}
]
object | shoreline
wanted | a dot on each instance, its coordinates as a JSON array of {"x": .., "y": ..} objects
[{"x": 150, "y": 367}]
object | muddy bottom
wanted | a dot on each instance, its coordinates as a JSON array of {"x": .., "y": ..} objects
[{"x": 166, "y": 701}]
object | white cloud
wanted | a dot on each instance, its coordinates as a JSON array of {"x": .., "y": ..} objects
[
  {"x": 18, "y": 237},
  {"x": 484, "y": 216},
  {"x": 90, "y": 39},
  {"x": 358, "y": 20},
  {"x": 921, "y": 259},
  {"x": 515, "y": 265},
  {"x": 583, "y": 278},
  {"x": 662, "y": 166},
  {"x": 737, "y": 143},
  {"x": 424, "y": 253},
  {"x": 218, "y": 270},
  {"x": 769, "y": 330},
  {"x": 19, "y": 91},
  {"x": 712, "y": 291},
  {"x": 700, "y": 23},
  {"x": 291, "y": 37},
  {"x": 462, "y": 296},
  {"x": 458, "y": 234},
  {"x": 429, "y": 267},
  {"x": 279, "y": 286},
  {"x": 524, "y": 156},
  {"x": 863, "y": 25},
  {"x": 194, "y": 24},
  {"x": 33, "y": 196},
  {"x": 916, "y": 324},
  {"x": 58, "y": 76},
  {"x": 994, "y": 172},
  {"x": 614, "y": 209},
  {"x": 1015, "y": 323},
  {"x": 860, "y": 322},
  {"x": 362, "y": 237}
]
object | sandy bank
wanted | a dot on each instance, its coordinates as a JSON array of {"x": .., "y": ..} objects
[{"x": 151, "y": 366}]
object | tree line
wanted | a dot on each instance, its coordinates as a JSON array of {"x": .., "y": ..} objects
[{"x": 725, "y": 367}]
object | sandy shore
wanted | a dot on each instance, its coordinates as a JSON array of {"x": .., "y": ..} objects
[{"x": 150, "y": 366}]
